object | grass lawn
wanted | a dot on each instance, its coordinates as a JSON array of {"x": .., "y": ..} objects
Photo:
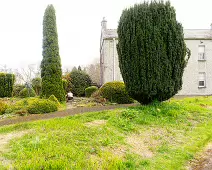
[{"x": 159, "y": 136}]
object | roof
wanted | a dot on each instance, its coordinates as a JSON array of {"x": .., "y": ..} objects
[
  {"x": 198, "y": 34},
  {"x": 110, "y": 33},
  {"x": 188, "y": 34}
]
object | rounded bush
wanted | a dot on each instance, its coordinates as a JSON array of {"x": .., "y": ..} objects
[
  {"x": 54, "y": 99},
  {"x": 27, "y": 93},
  {"x": 3, "y": 107},
  {"x": 90, "y": 90},
  {"x": 42, "y": 106},
  {"x": 115, "y": 92}
]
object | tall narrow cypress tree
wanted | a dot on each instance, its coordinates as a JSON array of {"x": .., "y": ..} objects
[
  {"x": 51, "y": 72},
  {"x": 152, "y": 51}
]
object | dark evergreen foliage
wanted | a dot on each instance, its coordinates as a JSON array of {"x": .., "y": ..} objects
[
  {"x": 6, "y": 84},
  {"x": 79, "y": 68},
  {"x": 152, "y": 51},
  {"x": 51, "y": 72},
  {"x": 79, "y": 81}
]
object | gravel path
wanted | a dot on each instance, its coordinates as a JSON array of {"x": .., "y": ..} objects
[
  {"x": 205, "y": 161},
  {"x": 64, "y": 113}
]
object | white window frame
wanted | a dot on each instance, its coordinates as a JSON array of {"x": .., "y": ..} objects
[
  {"x": 201, "y": 55},
  {"x": 202, "y": 78}
]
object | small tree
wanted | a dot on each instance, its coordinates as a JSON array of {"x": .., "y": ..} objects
[
  {"x": 79, "y": 68},
  {"x": 74, "y": 69},
  {"x": 80, "y": 81},
  {"x": 152, "y": 51},
  {"x": 51, "y": 72},
  {"x": 36, "y": 84},
  {"x": 67, "y": 82}
]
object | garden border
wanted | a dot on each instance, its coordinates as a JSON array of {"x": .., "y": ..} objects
[{"x": 58, "y": 114}]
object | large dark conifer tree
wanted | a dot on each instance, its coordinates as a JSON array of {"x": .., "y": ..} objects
[
  {"x": 152, "y": 51},
  {"x": 51, "y": 72}
]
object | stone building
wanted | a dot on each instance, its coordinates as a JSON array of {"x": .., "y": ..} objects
[{"x": 197, "y": 78}]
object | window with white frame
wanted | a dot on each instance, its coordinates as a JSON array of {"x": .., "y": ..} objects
[
  {"x": 201, "y": 52},
  {"x": 202, "y": 80}
]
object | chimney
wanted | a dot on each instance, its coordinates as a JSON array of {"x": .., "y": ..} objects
[
  {"x": 104, "y": 24},
  {"x": 211, "y": 26}
]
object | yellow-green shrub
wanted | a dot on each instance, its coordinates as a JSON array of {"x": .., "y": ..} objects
[
  {"x": 54, "y": 99},
  {"x": 115, "y": 92},
  {"x": 42, "y": 106},
  {"x": 3, "y": 107},
  {"x": 90, "y": 90}
]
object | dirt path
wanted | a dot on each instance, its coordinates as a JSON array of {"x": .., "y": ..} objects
[
  {"x": 68, "y": 112},
  {"x": 205, "y": 160}
]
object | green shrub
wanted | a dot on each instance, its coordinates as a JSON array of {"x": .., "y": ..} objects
[
  {"x": 42, "y": 106},
  {"x": 27, "y": 92},
  {"x": 54, "y": 99},
  {"x": 6, "y": 84},
  {"x": 90, "y": 90},
  {"x": 3, "y": 107},
  {"x": 80, "y": 81},
  {"x": 115, "y": 92},
  {"x": 17, "y": 88},
  {"x": 152, "y": 51}
]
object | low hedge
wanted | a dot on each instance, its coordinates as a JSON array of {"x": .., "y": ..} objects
[
  {"x": 27, "y": 93},
  {"x": 90, "y": 90},
  {"x": 40, "y": 106},
  {"x": 115, "y": 92}
]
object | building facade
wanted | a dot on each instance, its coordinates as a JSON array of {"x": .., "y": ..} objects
[{"x": 197, "y": 77}]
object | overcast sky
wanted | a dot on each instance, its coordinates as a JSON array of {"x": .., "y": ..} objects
[{"x": 78, "y": 24}]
